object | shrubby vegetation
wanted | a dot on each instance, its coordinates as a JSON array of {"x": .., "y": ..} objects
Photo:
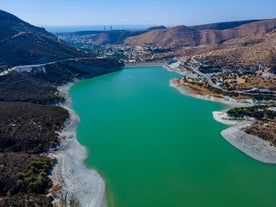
[
  {"x": 24, "y": 174},
  {"x": 22, "y": 87},
  {"x": 30, "y": 128},
  {"x": 265, "y": 124},
  {"x": 258, "y": 112},
  {"x": 26, "y": 130},
  {"x": 24, "y": 179},
  {"x": 263, "y": 129}
]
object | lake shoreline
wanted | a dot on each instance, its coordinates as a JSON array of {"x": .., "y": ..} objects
[
  {"x": 80, "y": 185},
  {"x": 76, "y": 179},
  {"x": 161, "y": 64},
  {"x": 252, "y": 146}
]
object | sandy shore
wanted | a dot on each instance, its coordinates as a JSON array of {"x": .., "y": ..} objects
[
  {"x": 222, "y": 117},
  {"x": 80, "y": 186},
  {"x": 252, "y": 146},
  {"x": 230, "y": 102}
]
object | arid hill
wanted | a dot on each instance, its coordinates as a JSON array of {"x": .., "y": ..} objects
[
  {"x": 179, "y": 36},
  {"x": 182, "y": 36},
  {"x": 242, "y": 52},
  {"x": 249, "y": 45},
  {"x": 248, "y": 31},
  {"x": 155, "y": 36},
  {"x": 223, "y": 25}
]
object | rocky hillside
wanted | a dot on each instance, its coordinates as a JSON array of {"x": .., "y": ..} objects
[
  {"x": 22, "y": 44},
  {"x": 52, "y": 62},
  {"x": 33, "y": 63},
  {"x": 61, "y": 72},
  {"x": 250, "y": 45},
  {"x": 182, "y": 36},
  {"x": 248, "y": 31},
  {"x": 243, "y": 52}
]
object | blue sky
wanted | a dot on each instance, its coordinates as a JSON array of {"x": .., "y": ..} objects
[{"x": 139, "y": 12}]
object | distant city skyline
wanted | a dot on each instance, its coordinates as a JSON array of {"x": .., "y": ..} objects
[{"x": 142, "y": 12}]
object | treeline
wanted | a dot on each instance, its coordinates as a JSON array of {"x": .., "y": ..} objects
[{"x": 258, "y": 112}]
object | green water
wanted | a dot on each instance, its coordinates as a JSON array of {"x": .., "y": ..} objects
[{"x": 157, "y": 148}]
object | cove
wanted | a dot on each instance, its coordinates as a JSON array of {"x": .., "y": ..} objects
[{"x": 157, "y": 148}]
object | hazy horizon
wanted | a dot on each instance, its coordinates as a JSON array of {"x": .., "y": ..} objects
[
  {"x": 109, "y": 27},
  {"x": 76, "y": 28},
  {"x": 122, "y": 12}
]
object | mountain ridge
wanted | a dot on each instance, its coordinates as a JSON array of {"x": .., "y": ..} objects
[
  {"x": 194, "y": 37},
  {"x": 237, "y": 44},
  {"x": 22, "y": 44},
  {"x": 153, "y": 35},
  {"x": 224, "y": 25}
]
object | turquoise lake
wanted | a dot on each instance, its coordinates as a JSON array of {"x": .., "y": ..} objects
[{"x": 155, "y": 147}]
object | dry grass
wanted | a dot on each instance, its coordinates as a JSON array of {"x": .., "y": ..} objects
[
  {"x": 252, "y": 81},
  {"x": 265, "y": 129},
  {"x": 198, "y": 89}
]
